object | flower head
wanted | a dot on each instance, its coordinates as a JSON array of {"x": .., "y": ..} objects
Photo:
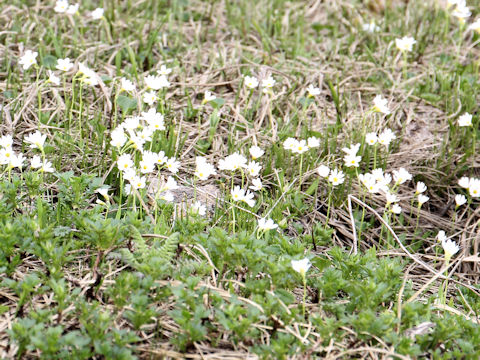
[
  {"x": 312, "y": 91},
  {"x": 204, "y": 169},
  {"x": 323, "y": 171},
  {"x": 266, "y": 224},
  {"x": 36, "y": 140},
  {"x": 64, "y": 64},
  {"x": 126, "y": 85},
  {"x": 450, "y": 248},
  {"x": 336, "y": 177},
  {"x": 61, "y": 6},
  {"x": 405, "y": 44},
  {"x": 251, "y": 82},
  {"x": 380, "y": 104},
  {"x": 465, "y": 120},
  {"x": 460, "y": 200},
  {"x": 256, "y": 152},
  {"x": 28, "y": 59},
  {"x": 97, "y": 13},
  {"x": 301, "y": 266}
]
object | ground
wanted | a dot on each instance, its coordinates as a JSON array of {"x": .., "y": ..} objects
[{"x": 167, "y": 264}]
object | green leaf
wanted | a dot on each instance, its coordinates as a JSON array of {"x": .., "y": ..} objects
[
  {"x": 49, "y": 61},
  {"x": 217, "y": 103},
  {"x": 126, "y": 103}
]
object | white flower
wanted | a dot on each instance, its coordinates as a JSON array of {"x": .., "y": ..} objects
[
  {"x": 460, "y": 200},
  {"x": 313, "y": 142},
  {"x": 103, "y": 191},
  {"x": 336, "y": 177},
  {"x": 441, "y": 236},
  {"x": 167, "y": 196},
  {"x": 97, "y": 13},
  {"x": 465, "y": 120},
  {"x": 233, "y": 162},
  {"x": 171, "y": 184},
  {"x": 290, "y": 144},
  {"x": 422, "y": 199},
  {"x": 253, "y": 168},
  {"x": 131, "y": 123},
  {"x": 138, "y": 182},
  {"x": 268, "y": 82},
  {"x": 461, "y": 12},
  {"x": 352, "y": 160},
  {"x": 421, "y": 187},
  {"x": 161, "y": 158},
  {"x": 464, "y": 182},
  {"x": 386, "y": 137},
  {"x": 36, "y": 140},
  {"x": 352, "y": 150},
  {"x": 401, "y": 175},
  {"x": 300, "y": 147},
  {"x": 251, "y": 82},
  {"x": 371, "y": 138},
  {"x": 35, "y": 162},
  {"x": 146, "y": 134},
  {"x": 126, "y": 85},
  {"x": 301, "y": 266},
  {"x": 61, "y": 6},
  {"x": 474, "y": 188},
  {"x": 156, "y": 82},
  {"x": 198, "y": 208},
  {"x": 450, "y": 248},
  {"x": 118, "y": 137},
  {"x": 256, "y": 152},
  {"x": 124, "y": 162},
  {"x": 147, "y": 166},
  {"x": 45, "y": 166},
  {"x": 6, "y": 141},
  {"x": 405, "y": 44},
  {"x": 52, "y": 78},
  {"x": 164, "y": 70},
  {"x": 72, "y": 9},
  {"x": 370, "y": 27},
  {"x": 475, "y": 26},
  {"x": 237, "y": 193},
  {"x": 154, "y": 119},
  {"x": 248, "y": 199},
  {"x": 172, "y": 165},
  {"x": 391, "y": 198},
  {"x": 64, "y": 64},
  {"x": 150, "y": 98},
  {"x": 381, "y": 105},
  {"x": 313, "y": 91},
  {"x": 28, "y": 59},
  {"x": 208, "y": 97},
  {"x": 256, "y": 185},
  {"x": 203, "y": 168},
  {"x": 323, "y": 171},
  {"x": 396, "y": 209},
  {"x": 266, "y": 224}
]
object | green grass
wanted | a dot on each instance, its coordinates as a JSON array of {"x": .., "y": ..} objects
[{"x": 84, "y": 276}]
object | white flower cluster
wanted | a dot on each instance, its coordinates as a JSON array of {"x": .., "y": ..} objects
[
  {"x": 154, "y": 83},
  {"x": 63, "y": 7},
  {"x": 235, "y": 162},
  {"x": 252, "y": 82},
  {"x": 472, "y": 185},
  {"x": 384, "y": 138},
  {"x": 301, "y": 146},
  {"x": 9, "y": 157}
]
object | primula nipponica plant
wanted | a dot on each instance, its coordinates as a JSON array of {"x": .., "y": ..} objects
[{"x": 168, "y": 175}]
